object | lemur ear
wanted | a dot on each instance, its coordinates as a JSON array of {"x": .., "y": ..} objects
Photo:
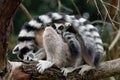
[
  {"x": 16, "y": 49},
  {"x": 68, "y": 24}
]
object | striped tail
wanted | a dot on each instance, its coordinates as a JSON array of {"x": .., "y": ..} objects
[{"x": 92, "y": 37}]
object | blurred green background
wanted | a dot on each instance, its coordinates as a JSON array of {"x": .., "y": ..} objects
[{"x": 38, "y": 7}]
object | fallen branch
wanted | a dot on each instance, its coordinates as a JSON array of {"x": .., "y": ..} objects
[
  {"x": 117, "y": 37},
  {"x": 106, "y": 69}
]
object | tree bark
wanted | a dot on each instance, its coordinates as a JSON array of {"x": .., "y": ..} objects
[
  {"x": 106, "y": 69},
  {"x": 7, "y": 10},
  {"x": 113, "y": 11}
]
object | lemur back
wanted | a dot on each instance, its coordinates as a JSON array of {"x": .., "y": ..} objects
[{"x": 26, "y": 38}]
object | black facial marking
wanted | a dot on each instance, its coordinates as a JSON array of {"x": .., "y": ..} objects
[
  {"x": 23, "y": 51},
  {"x": 53, "y": 26},
  {"x": 71, "y": 29},
  {"x": 68, "y": 37},
  {"x": 17, "y": 49},
  {"x": 21, "y": 39},
  {"x": 61, "y": 27},
  {"x": 35, "y": 50}
]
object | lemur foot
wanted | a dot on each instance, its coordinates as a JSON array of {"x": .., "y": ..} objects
[
  {"x": 85, "y": 68},
  {"x": 42, "y": 65},
  {"x": 67, "y": 70}
]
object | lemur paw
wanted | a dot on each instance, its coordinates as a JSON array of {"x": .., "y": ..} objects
[
  {"x": 30, "y": 56},
  {"x": 42, "y": 65},
  {"x": 67, "y": 70},
  {"x": 85, "y": 68}
]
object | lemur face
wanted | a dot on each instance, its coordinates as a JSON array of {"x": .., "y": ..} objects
[
  {"x": 23, "y": 49},
  {"x": 61, "y": 27}
]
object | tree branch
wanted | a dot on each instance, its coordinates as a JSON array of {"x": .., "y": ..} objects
[
  {"x": 25, "y": 11},
  {"x": 106, "y": 69},
  {"x": 7, "y": 10}
]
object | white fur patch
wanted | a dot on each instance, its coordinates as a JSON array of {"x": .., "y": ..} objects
[
  {"x": 82, "y": 28},
  {"x": 45, "y": 19},
  {"x": 76, "y": 23},
  {"x": 89, "y": 26},
  {"x": 95, "y": 34},
  {"x": 67, "y": 24},
  {"x": 87, "y": 33},
  {"x": 72, "y": 16},
  {"x": 68, "y": 18},
  {"x": 35, "y": 24},
  {"x": 99, "y": 47},
  {"x": 15, "y": 65},
  {"x": 56, "y": 16},
  {"x": 82, "y": 20},
  {"x": 26, "y": 43},
  {"x": 21, "y": 45},
  {"x": 24, "y": 33},
  {"x": 98, "y": 40},
  {"x": 57, "y": 25}
]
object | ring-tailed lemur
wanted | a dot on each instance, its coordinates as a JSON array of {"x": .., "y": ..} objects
[
  {"x": 58, "y": 52},
  {"x": 26, "y": 38}
]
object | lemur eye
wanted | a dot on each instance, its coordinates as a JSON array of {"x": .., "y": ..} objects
[
  {"x": 61, "y": 28},
  {"x": 53, "y": 26},
  {"x": 68, "y": 37}
]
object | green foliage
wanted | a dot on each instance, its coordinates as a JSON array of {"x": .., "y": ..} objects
[
  {"x": 39, "y": 7},
  {"x": 11, "y": 45}
]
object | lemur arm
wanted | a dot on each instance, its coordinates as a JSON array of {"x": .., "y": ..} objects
[{"x": 40, "y": 54}]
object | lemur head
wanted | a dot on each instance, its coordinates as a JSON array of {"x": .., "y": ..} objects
[
  {"x": 24, "y": 49},
  {"x": 61, "y": 27}
]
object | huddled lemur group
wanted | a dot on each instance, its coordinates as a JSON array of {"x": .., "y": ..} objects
[{"x": 57, "y": 39}]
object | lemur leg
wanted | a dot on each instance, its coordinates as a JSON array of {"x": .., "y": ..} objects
[
  {"x": 55, "y": 51},
  {"x": 75, "y": 48}
]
